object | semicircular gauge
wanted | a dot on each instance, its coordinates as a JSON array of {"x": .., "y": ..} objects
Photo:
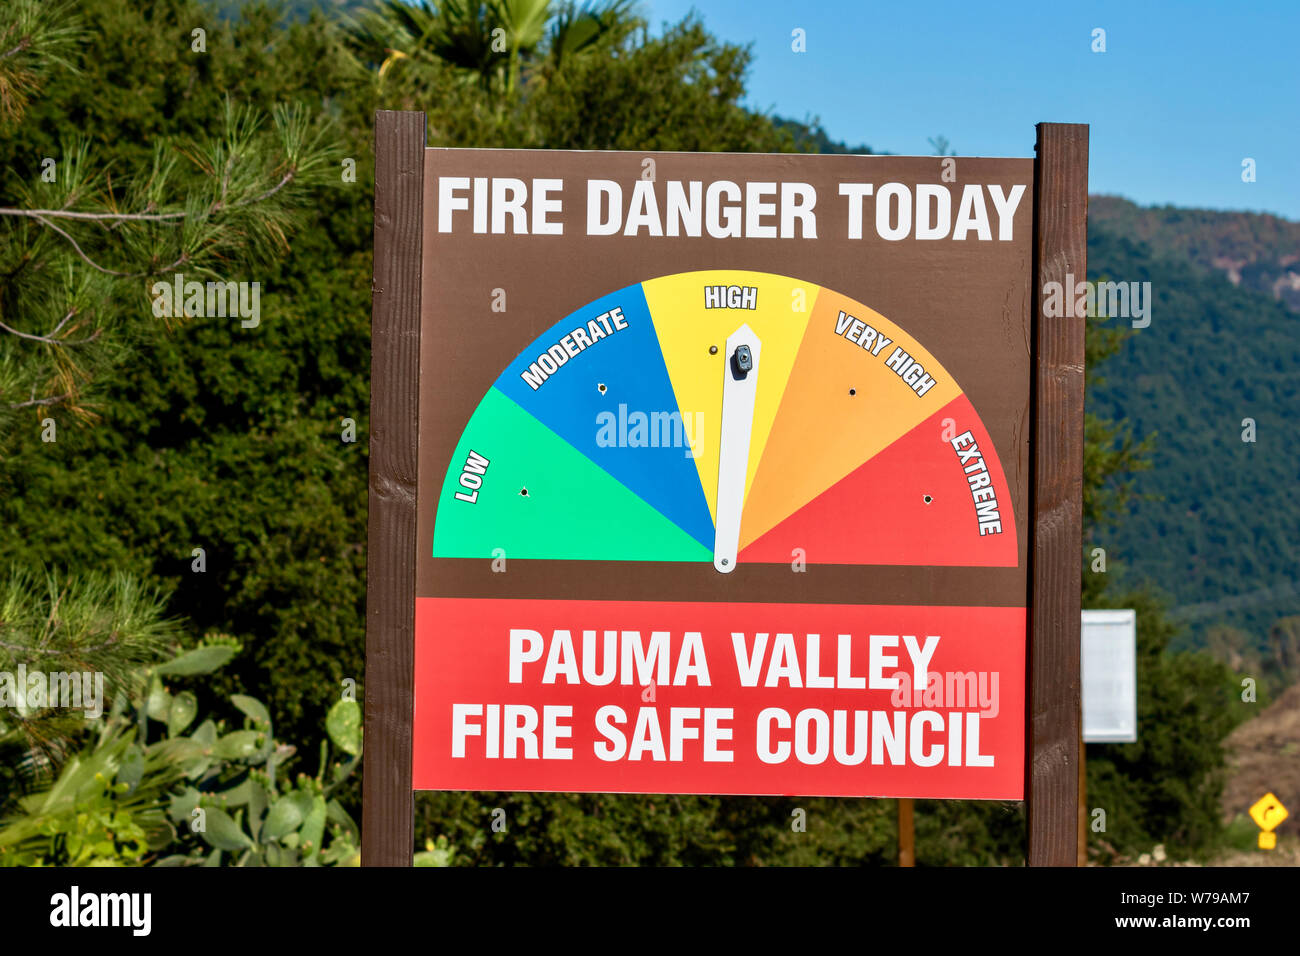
[{"x": 727, "y": 416}]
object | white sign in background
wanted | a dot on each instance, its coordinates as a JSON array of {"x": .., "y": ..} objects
[{"x": 1109, "y": 674}]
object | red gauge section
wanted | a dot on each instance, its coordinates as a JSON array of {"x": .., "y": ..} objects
[{"x": 936, "y": 496}]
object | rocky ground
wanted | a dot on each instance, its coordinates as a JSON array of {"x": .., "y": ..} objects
[{"x": 1263, "y": 757}]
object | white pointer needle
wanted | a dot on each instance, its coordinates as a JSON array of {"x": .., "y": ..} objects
[{"x": 739, "y": 386}]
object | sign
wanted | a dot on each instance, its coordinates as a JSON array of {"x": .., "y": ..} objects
[
  {"x": 1268, "y": 813},
  {"x": 1109, "y": 671},
  {"x": 783, "y": 438},
  {"x": 722, "y": 469}
]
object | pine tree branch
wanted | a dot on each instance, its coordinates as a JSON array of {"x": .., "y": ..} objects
[
  {"x": 50, "y": 338},
  {"x": 54, "y": 400},
  {"x": 218, "y": 206},
  {"x": 112, "y": 641},
  {"x": 111, "y": 272},
  {"x": 23, "y": 45}
]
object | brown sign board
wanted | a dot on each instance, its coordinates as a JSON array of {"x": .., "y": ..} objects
[{"x": 717, "y": 473}]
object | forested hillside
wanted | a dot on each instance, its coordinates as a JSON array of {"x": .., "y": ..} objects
[
  {"x": 1215, "y": 523},
  {"x": 1256, "y": 252}
]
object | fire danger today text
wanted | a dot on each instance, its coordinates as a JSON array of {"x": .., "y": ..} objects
[{"x": 723, "y": 209}]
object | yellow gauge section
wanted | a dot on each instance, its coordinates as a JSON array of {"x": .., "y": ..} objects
[{"x": 694, "y": 313}]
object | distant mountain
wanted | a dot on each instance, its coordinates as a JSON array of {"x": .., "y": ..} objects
[
  {"x": 1221, "y": 537},
  {"x": 811, "y": 137},
  {"x": 1254, "y": 251}
]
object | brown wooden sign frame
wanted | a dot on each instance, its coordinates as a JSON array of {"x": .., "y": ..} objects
[{"x": 1056, "y": 489}]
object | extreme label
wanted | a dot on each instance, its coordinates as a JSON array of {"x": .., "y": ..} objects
[{"x": 981, "y": 484}]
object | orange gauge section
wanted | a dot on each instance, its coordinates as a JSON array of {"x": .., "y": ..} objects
[{"x": 859, "y": 383}]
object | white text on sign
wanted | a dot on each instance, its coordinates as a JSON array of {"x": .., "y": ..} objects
[{"x": 722, "y": 209}]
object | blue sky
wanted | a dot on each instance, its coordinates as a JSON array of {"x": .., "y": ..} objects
[{"x": 1184, "y": 92}]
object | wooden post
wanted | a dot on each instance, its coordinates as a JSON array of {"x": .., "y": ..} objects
[
  {"x": 387, "y": 817},
  {"x": 906, "y": 833},
  {"x": 1083, "y": 801},
  {"x": 1055, "y": 561}
]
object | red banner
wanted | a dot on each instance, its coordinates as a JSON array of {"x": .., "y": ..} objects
[{"x": 651, "y": 697}]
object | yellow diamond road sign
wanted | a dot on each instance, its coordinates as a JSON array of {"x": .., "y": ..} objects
[{"x": 1268, "y": 812}]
